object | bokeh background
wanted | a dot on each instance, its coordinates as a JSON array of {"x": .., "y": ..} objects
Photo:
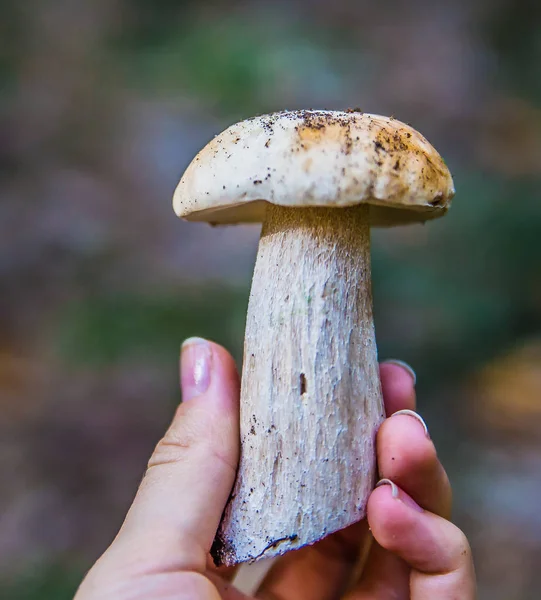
[{"x": 103, "y": 103}]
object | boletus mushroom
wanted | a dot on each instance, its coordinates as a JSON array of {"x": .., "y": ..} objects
[{"x": 311, "y": 400}]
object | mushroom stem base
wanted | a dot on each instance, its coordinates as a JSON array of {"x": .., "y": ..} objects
[{"x": 311, "y": 399}]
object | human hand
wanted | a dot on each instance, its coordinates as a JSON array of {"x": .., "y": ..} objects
[{"x": 162, "y": 549}]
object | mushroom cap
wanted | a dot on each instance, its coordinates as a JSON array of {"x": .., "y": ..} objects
[{"x": 316, "y": 158}]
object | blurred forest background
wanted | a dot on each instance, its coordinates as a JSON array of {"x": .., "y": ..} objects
[{"x": 103, "y": 103}]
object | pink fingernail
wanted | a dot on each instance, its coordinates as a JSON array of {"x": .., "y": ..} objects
[
  {"x": 404, "y": 365},
  {"x": 195, "y": 367},
  {"x": 417, "y": 416}
]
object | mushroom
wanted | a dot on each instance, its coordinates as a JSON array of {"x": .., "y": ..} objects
[{"x": 311, "y": 400}]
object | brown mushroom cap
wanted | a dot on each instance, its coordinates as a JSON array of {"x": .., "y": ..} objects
[{"x": 316, "y": 158}]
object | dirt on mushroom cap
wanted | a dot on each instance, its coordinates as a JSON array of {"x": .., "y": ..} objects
[{"x": 316, "y": 158}]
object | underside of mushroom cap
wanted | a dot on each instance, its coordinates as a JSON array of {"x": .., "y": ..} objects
[{"x": 316, "y": 158}]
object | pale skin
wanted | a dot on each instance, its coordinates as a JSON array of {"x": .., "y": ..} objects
[{"x": 162, "y": 550}]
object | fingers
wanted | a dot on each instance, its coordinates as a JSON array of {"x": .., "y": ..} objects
[
  {"x": 407, "y": 456},
  {"x": 385, "y": 577},
  {"x": 436, "y": 550},
  {"x": 398, "y": 385},
  {"x": 174, "y": 517},
  {"x": 317, "y": 572}
]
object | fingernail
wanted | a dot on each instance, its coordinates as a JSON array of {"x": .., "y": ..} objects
[
  {"x": 415, "y": 415},
  {"x": 400, "y": 494},
  {"x": 394, "y": 488},
  {"x": 195, "y": 367},
  {"x": 404, "y": 365}
]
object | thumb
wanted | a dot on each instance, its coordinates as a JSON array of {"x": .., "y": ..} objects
[{"x": 177, "y": 510}]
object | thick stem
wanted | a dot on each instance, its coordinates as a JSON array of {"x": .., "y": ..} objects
[{"x": 311, "y": 399}]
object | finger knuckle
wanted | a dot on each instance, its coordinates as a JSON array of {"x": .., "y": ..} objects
[
  {"x": 181, "y": 441},
  {"x": 186, "y": 440},
  {"x": 170, "y": 450}
]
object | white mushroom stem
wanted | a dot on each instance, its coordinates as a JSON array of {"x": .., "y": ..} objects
[{"x": 311, "y": 399}]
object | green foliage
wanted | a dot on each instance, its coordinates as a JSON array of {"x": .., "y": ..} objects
[
  {"x": 236, "y": 63},
  {"x": 479, "y": 282},
  {"x": 117, "y": 328},
  {"x": 46, "y": 583},
  {"x": 151, "y": 21},
  {"x": 10, "y": 39},
  {"x": 515, "y": 35}
]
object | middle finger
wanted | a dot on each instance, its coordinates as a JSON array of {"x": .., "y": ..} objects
[{"x": 407, "y": 456}]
